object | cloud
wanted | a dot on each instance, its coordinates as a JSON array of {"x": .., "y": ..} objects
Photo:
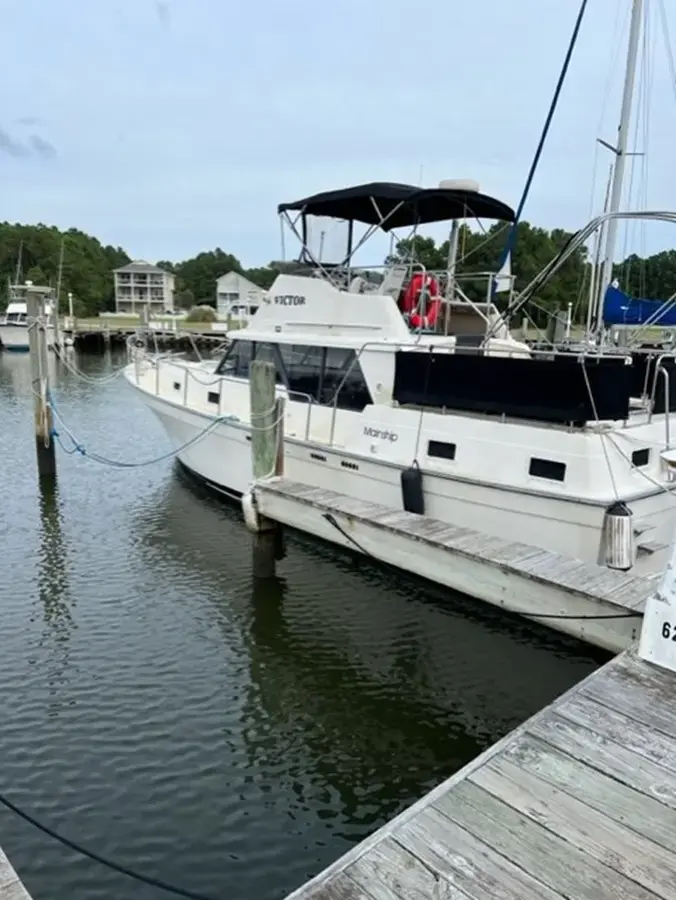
[
  {"x": 35, "y": 146},
  {"x": 42, "y": 147},
  {"x": 202, "y": 132},
  {"x": 163, "y": 12},
  {"x": 11, "y": 147}
]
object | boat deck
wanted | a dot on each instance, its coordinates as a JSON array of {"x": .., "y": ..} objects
[{"x": 579, "y": 802}]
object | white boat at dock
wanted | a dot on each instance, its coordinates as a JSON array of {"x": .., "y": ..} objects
[
  {"x": 14, "y": 323},
  {"x": 562, "y": 450}
]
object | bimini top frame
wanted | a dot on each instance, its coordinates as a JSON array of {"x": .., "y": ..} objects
[{"x": 384, "y": 206}]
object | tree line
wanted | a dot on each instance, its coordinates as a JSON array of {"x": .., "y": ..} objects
[{"x": 88, "y": 264}]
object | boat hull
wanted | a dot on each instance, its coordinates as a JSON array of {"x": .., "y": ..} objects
[
  {"x": 14, "y": 338},
  {"x": 222, "y": 459}
]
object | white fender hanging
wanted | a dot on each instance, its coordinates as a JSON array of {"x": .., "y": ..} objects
[
  {"x": 619, "y": 537},
  {"x": 250, "y": 512}
]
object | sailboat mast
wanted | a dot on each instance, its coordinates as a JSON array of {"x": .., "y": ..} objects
[
  {"x": 17, "y": 277},
  {"x": 55, "y": 313},
  {"x": 620, "y": 152}
]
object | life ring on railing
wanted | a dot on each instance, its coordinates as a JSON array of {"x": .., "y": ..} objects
[
  {"x": 412, "y": 297},
  {"x": 429, "y": 320}
]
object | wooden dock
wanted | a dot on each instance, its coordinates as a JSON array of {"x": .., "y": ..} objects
[
  {"x": 547, "y": 587},
  {"x": 95, "y": 340},
  {"x": 11, "y": 887},
  {"x": 577, "y": 803}
]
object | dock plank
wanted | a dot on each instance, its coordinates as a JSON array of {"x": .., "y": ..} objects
[
  {"x": 620, "y": 728},
  {"x": 466, "y": 862},
  {"x": 595, "y": 833},
  {"x": 536, "y": 849},
  {"x": 342, "y": 888},
  {"x": 608, "y": 757},
  {"x": 622, "y": 803},
  {"x": 390, "y": 872},
  {"x": 640, "y": 696},
  {"x": 11, "y": 887}
]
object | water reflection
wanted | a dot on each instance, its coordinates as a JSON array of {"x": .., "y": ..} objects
[
  {"x": 355, "y": 671},
  {"x": 53, "y": 584}
]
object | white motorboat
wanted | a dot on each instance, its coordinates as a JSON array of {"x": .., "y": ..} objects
[
  {"x": 14, "y": 322},
  {"x": 552, "y": 448}
]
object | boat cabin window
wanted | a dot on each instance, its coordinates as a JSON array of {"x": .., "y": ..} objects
[
  {"x": 441, "y": 449},
  {"x": 640, "y": 457},
  {"x": 269, "y": 353},
  {"x": 304, "y": 368},
  {"x": 318, "y": 373},
  {"x": 547, "y": 468},
  {"x": 17, "y": 318},
  {"x": 237, "y": 359}
]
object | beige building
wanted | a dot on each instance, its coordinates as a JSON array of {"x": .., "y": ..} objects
[
  {"x": 141, "y": 284},
  {"x": 236, "y": 296}
]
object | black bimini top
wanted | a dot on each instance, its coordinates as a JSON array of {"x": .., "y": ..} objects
[{"x": 388, "y": 205}]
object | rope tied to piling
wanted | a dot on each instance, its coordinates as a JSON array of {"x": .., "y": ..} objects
[{"x": 77, "y": 446}]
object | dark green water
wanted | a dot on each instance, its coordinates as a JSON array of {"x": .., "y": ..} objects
[{"x": 161, "y": 709}]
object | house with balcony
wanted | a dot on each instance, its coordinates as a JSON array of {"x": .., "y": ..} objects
[
  {"x": 237, "y": 297},
  {"x": 140, "y": 285}
]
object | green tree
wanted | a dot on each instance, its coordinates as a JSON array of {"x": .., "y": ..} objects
[
  {"x": 201, "y": 313},
  {"x": 87, "y": 264},
  {"x": 199, "y": 274}
]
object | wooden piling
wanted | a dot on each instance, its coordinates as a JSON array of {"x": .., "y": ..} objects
[
  {"x": 267, "y": 449},
  {"x": 39, "y": 364}
]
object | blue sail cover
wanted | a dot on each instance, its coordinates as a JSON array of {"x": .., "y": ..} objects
[{"x": 620, "y": 309}]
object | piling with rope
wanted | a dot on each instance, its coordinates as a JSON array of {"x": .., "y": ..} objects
[
  {"x": 267, "y": 460},
  {"x": 39, "y": 365}
]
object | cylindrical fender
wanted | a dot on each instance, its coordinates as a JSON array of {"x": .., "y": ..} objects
[{"x": 250, "y": 512}]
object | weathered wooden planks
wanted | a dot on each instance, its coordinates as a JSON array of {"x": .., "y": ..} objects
[
  {"x": 11, "y": 887},
  {"x": 615, "y": 588},
  {"x": 578, "y": 802}
]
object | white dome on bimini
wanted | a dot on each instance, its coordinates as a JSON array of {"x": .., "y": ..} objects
[{"x": 460, "y": 184}]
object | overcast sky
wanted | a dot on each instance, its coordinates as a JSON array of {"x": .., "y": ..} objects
[{"x": 174, "y": 126}]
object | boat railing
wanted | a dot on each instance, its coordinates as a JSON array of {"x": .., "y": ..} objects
[
  {"x": 661, "y": 371},
  {"x": 578, "y": 240},
  {"x": 415, "y": 345},
  {"x": 140, "y": 353},
  {"x": 155, "y": 361}
]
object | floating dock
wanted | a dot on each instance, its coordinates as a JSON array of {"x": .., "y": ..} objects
[
  {"x": 547, "y": 587},
  {"x": 579, "y": 802},
  {"x": 11, "y": 887}
]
